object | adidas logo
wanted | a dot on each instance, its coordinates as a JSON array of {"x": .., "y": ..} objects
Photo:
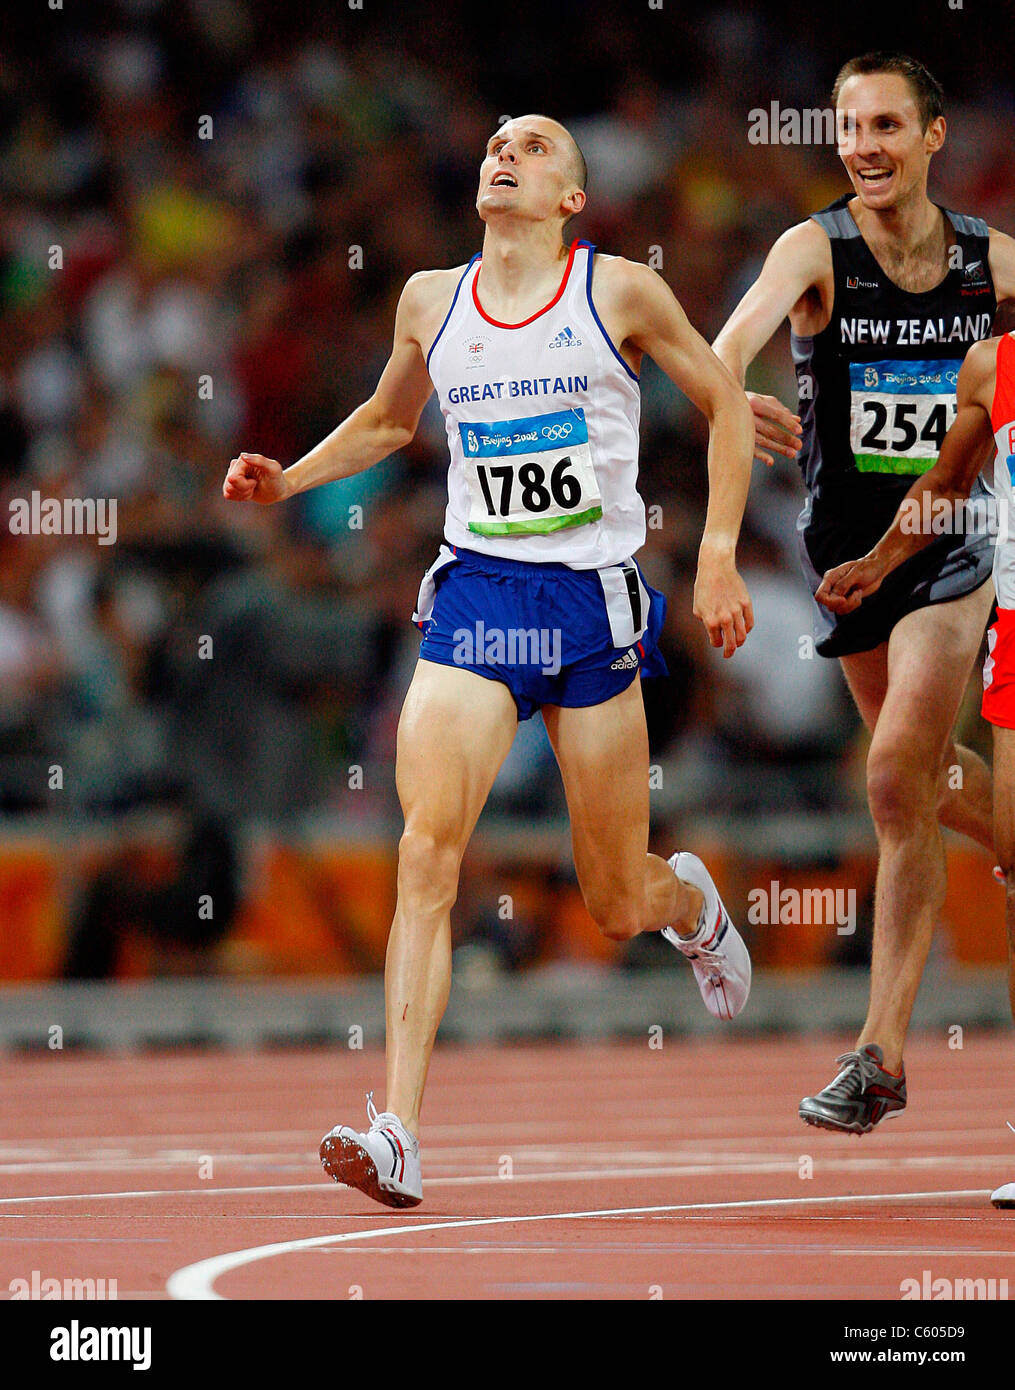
[
  {"x": 626, "y": 662},
  {"x": 565, "y": 339}
]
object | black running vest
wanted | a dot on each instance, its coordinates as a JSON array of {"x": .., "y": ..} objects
[{"x": 877, "y": 385}]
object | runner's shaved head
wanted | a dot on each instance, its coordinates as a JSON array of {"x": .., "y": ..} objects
[
  {"x": 559, "y": 133},
  {"x": 575, "y": 158}
]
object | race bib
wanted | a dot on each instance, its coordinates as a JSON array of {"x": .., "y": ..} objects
[
  {"x": 900, "y": 413},
  {"x": 530, "y": 476}
]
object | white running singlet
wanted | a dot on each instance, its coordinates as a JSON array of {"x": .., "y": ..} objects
[{"x": 542, "y": 423}]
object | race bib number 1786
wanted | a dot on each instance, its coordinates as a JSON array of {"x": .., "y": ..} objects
[{"x": 530, "y": 476}]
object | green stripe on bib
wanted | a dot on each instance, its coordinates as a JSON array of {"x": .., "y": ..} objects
[
  {"x": 885, "y": 463},
  {"x": 534, "y": 525}
]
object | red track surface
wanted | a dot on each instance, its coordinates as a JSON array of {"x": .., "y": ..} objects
[{"x": 688, "y": 1157}]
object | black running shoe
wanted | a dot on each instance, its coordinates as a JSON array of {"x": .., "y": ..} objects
[{"x": 862, "y": 1094}]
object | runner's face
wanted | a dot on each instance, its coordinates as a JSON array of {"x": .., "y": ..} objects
[
  {"x": 885, "y": 152},
  {"x": 526, "y": 172}
]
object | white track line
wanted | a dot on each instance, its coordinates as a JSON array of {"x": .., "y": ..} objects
[
  {"x": 167, "y": 1192},
  {"x": 786, "y": 1166},
  {"x": 489, "y": 1250},
  {"x": 197, "y": 1281},
  {"x": 680, "y": 1162}
]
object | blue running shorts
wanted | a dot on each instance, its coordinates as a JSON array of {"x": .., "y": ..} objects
[{"x": 553, "y": 635}]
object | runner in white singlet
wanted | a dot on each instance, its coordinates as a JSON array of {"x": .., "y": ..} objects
[
  {"x": 524, "y": 397},
  {"x": 534, "y": 350}
]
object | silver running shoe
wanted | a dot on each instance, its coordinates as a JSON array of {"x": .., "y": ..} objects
[{"x": 861, "y": 1095}]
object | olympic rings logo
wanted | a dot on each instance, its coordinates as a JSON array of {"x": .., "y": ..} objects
[{"x": 556, "y": 431}]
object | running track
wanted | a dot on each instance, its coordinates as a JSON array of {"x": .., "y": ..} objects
[{"x": 551, "y": 1172}]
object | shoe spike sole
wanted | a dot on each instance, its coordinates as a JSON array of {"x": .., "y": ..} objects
[{"x": 349, "y": 1163}]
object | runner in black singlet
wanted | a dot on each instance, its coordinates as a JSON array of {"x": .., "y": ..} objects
[
  {"x": 877, "y": 395},
  {"x": 885, "y": 292}
]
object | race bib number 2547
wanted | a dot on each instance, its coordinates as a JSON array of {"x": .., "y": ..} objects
[{"x": 900, "y": 413}]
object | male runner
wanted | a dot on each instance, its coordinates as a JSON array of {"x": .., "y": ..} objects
[
  {"x": 986, "y": 416},
  {"x": 885, "y": 292},
  {"x": 533, "y": 349}
]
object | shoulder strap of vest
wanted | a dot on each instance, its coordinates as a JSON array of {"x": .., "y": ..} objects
[
  {"x": 968, "y": 226},
  {"x": 836, "y": 221}
]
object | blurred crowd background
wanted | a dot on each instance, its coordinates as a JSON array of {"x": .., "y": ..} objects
[{"x": 208, "y": 210}]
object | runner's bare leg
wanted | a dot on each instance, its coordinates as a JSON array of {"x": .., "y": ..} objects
[
  {"x": 603, "y": 755},
  {"x": 965, "y": 802},
  {"x": 455, "y": 730},
  {"x": 929, "y": 657}
]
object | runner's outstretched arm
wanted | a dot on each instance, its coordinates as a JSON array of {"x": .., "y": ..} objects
[
  {"x": 384, "y": 423},
  {"x": 796, "y": 263}
]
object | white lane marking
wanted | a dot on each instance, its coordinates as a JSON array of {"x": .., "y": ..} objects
[
  {"x": 168, "y": 1192},
  {"x": 956, "y": 1132},
  {"x": 834, "y": 1165},
  {"x": 654, "y": 1163},
  {"x": 659, "y": 1248},
  {"x": 197, "y": 1281}
]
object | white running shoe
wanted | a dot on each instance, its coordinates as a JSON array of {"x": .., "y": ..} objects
[
  {"x": 1005, "y": 1196},
  {"x": 717, "y": 952},
  {"x": 383, "y": 1163}
]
